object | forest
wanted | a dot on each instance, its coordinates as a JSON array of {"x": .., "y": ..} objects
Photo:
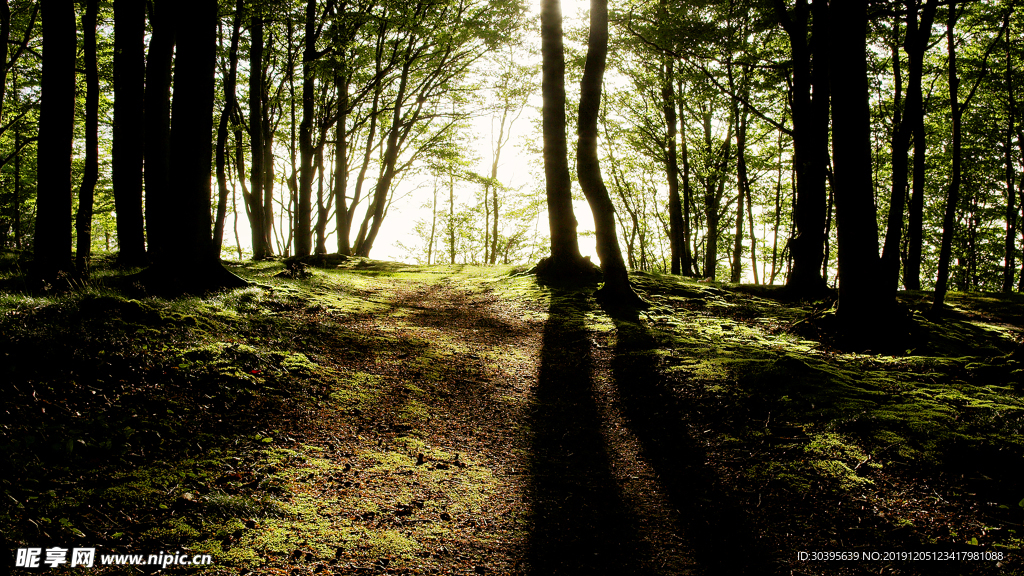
[{"x": 799, "y": 348}]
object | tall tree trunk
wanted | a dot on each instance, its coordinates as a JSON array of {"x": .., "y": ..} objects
[
  {"x": 915, "y": 45},
  {"x": 341, "y": 167},
  {"x": 810, "y": 140},
  {"x": 953, "y": 194},
  {"x": 863, "y": 302},
  {"x": 303, "y": 232},
  {"x": 91, "y": 170},
  {"x": 617, "y": 289},
  {"x": 229, "y": 113},
  {"x": 687, "y": 262},
  {"x": 56, "y": 130},
  {"x": 565, "y": 252},
  {"x": 157, "y": 120},
  {"x": 254, "y": 199},
  {"x": 128, "y": 130},
  {"x": 192, "y": 265},
  {"x": 675, "y": 211},
  {"x": 1011, "y": 206}
]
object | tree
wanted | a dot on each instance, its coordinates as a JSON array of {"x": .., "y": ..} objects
[
  {"x": 617, "y": 290},
  {"x": 565, "y": 259},
  {"x": 83, "y": 222},
  {"x": 189, "y": 264},
  {"x": 56, "y": 130},
  {"x": 864, "y": 305},
  {"x": 128, "y": 130}
]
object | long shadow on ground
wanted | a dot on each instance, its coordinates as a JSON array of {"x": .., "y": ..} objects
[
  {"x": 580, "y": 525},
  {"x": 717, "y": 530}
]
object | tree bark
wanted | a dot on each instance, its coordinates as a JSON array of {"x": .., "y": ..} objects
[
  {"x": 56, "y": 130},
  {"x": 810, "y": 140},
  {"x": 91, "y": 169},
  {"x": 192, "y": 266},
  {"x": 128, "y": 130},
  {"x": 227, "y": 115},
  {"x": 953, "y": 193},
  {"x": 158, "y": 129},
  {"x": 675, "y": 210},
  {"x": 565, "y": 252},
  {"x": 617, "y": 290},
  {"x": 863, "y": 303},
  {"x": 254, "y": 199}
]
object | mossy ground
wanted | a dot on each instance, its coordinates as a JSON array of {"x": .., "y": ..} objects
[{"x": 383, "y": 418}]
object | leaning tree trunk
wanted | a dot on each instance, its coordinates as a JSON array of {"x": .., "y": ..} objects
[
  {"x": 90, "y": 174},
  {"x": 617, "y": 289},
  {"x": 56, "y": 130},
  {"x": 127, "y": 153}
]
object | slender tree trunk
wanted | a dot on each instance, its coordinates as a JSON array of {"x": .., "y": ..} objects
[
  {"x": 128, "y": 130},
  {"x": 743, "y": 191},
  {"x": 303, "y": 233},
  {"x": 953, "y": 194},
  {"x": 687, "y": 262},
  {"x": 341, "y": 167},
  {"x": 565, "y": 252},
  {"x": 675, "y": 210},
  {"x": 616, "y": 289},
  {"x": 91, "y": 170},
  {"x": 56, "y": 130},
  {"x": 159, "y": 227},
  {"x": 257, "y": 177},
  {"x": 227, "y": 114},
  {"x": 1011, "y": 206}
]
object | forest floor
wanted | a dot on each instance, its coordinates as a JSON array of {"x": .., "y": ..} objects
[{"x": 377, "y": 418}]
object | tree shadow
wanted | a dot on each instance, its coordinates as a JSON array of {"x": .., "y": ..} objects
[
  {"x": 716, "y": 528},
  {"x": 580, "y": 524}
]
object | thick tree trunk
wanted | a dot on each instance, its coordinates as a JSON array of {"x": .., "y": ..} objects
[
  {"x": 56, "y": 130},
  {"x": 159, "y": 227},
  {"x": 128, "y": 130},
  {"x": 617, "y": 289},
  {"x": 864, "y": 306},
  {"x": 565, "y": 252},
  {"x": 191, "y": 266},
  {"x": 91, "y": 169}
]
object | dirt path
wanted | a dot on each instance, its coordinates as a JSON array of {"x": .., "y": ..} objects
[{"x": 499, "y": 445}]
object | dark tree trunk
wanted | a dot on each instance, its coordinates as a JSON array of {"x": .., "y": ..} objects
[
  {"x": 743, "y": 192},
  {"x": 953, "y": 194},
  {"x": 228, "y": 114},
  {"x": 617, "y": 290},
  {"x": 687, "y": 261},
  {"x": 565, "y": 252},
  {"x": 128, "y": 130},
  {"x": 303, "y": 231},
  {"x": 863, "y": 306},
  {"x": 341, "y": 168},
  {"x": 810, "y": 140},
  {"x": 91, "y": 169},
  {"x": 157, "y": 126},
  {"x": 1011, "y": 205},
  {"x": 254, "y": 199},
  {"x": 675, "y": 210},
  {"x": 56, "y": 130},
  {"x": 915, "y": 44},
  {"x": 191, "y": 265}
]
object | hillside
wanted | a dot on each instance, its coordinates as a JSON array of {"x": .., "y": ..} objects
[{"x": 368, "y": 417}]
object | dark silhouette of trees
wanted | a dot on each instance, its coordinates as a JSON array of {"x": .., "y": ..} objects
[
  {"x": 128, "y": 129},
  {"x": 56, "y": 131}
]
